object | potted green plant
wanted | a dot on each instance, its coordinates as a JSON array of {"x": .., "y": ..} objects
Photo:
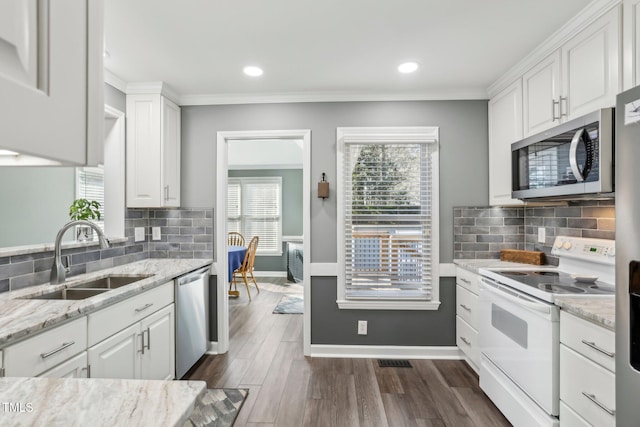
[{"x": 83, "y": 209}]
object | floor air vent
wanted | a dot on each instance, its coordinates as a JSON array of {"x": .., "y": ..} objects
[{"x": 394, "y": 363}]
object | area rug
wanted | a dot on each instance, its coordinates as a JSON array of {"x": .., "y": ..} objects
[
  {"x": 290, "y": 304},
  {"x": 218, "y": 407}
]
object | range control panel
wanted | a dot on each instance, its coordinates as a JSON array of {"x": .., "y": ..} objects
[{"x": 596, "y": 250}]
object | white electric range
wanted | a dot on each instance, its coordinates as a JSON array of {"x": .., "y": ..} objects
[{"x": 519, "y": 329}]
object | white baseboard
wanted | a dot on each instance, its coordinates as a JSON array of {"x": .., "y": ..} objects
[
  {"x": 386, "y": 352},
  {"x": 270, "y": 273},
  {"x": 212, "y": 347}
]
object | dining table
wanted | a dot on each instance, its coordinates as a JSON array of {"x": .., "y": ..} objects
[{"x": 236, "y": 256}]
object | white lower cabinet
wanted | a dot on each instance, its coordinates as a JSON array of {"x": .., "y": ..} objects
[
  {"x": 144, "y": 350},
  {"x": 587, "y": 378},
  {"x": 467, "y": 286},
  {"x": 76, "y": 367}
]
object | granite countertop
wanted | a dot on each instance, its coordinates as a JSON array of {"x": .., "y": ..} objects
[
  {"x": 598, "y": 309},
  {"x": 474, "y": 265},
  {"x": 97, "y": 402},
  {"x": 22, "y": 317}
]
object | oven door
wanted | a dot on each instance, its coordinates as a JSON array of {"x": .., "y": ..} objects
[{"x": 520, "y": 336}]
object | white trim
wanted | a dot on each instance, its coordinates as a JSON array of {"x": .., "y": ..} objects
[
  {"x": 579, "y": 22},
  {"x": 324, "y": 269},
  {"x": 222, "y": 140},
  {"x": 266, "y": 167},
  {"x": 111, "y": 79},
  {"x": 160, "y": 88},
  {"x": 387, "y": 352},
  {"x": 270, "y": 273},
  {"x": 293, "y": 239},
  {"x": 292, "y": 97},
  {"x": 114, "y": 148},
  {"x": 447, "y": 269},
  {"x": 399, "y": 134},
  {"x": 212, "y": 348}
]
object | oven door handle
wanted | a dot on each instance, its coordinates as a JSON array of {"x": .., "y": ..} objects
[
  {"x": 573, "y": 155},
  {"x": 516, "y": 298}
]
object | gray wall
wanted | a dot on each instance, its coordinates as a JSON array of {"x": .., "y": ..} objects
[
  {"x": 463, "y": 182},
  {"x": 291, "y": 210}
]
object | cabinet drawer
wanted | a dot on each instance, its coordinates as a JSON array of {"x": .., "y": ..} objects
[
  {"x": 106, "y": 322},
  {"x": 468, "y": 280},
  {"x": 35, "y": 355},
  {"x": 467, "y": 340},
  {"x": 570, "y": 418},
  {"x": 76, "y": 367},
  {"x": 467, "y": 306},
  {"x": 588, "y": 339},
  {"x": 587, "y": 388}
]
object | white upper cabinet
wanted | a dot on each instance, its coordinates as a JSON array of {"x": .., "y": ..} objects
[
  {"x": 631, "y": 43},
  {"x": 51, "y": 79},
  {"x": 541, "y": 95},
  {"x": 153, "y": 151},
  {"x": 591, "y": 67},
  {"x": 505, "y": 128}
]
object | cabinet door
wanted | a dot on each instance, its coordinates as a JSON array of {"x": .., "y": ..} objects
[
  {"x": 631, "y": 44},
  {"x": 170, "y": 153},
  {"x": 43, "y": 76},
  {"x": 118, "y": 356},
  {"x": 76, "y": 367},
  {"x": 505, "y": 128},
  {"x": 541, "y": 95},
  {"x": 158, "y": 357},
  {"x": 590, "y": 63}
]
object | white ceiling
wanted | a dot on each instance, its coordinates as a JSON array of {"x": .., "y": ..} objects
[{"x": 325, "y": 49}]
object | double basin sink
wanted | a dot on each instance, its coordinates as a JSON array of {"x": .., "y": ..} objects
[{"x": 91, "y": 288}]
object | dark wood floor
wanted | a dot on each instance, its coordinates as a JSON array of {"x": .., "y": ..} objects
[{"x": 288, "y": 389}]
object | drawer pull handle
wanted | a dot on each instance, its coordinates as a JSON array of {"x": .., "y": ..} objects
[
  {"x": 142, "y": 343},
  {"x": 464, "y": 340},
  {"x": 463, "y": 280},
  {"x": 148, "y": 338},
  {"x": 592, "y": 397},
  {"x": 595, "y": 347},
  {"x": 62, "y": 347},
  {"x": 138, "y": 310},
  {"x": 465, "y": 307}
]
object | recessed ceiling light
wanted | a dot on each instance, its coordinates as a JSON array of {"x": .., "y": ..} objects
[
  {"x": 253, "y": 71},
  {"x": 407, "y": 67}
]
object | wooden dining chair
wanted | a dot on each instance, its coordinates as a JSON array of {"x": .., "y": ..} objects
[
  {"x": 235, "y": 239},
  {"x": 246, "y": 268}
]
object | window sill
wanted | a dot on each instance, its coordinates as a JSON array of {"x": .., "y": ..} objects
[
  {"x": 268, "y": 253},
  {"x": 387, "y": 305}
]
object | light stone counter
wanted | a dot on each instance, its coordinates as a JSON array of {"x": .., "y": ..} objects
[
  {"x": 23, "y": 317},
  {"x": 96, "y": 402},
  {"x": 474, "y": 265},
  {"x": 598, "y": 309}
]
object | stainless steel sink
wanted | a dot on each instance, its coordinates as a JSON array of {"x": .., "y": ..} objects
[
  {"x": 111, "y": 282},
  {"x": 69, "y": 294}
]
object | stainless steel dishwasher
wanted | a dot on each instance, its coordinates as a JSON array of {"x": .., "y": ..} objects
[{"x": 191, "y": 320}]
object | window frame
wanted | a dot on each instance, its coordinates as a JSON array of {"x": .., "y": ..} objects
[
  {"x": 80, "y": 193},
  {"x": 390, "y": 135},
  {"x": 243, "y": 181}
]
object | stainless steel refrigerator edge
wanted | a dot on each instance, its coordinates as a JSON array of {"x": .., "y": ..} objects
[{"x": 627, "y": 188}]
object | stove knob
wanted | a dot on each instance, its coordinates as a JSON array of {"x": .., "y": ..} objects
[
  {"x": 567, "y": 245},
  {"x": 559, "y": 244},
  {"x": 611, "y": 252}
]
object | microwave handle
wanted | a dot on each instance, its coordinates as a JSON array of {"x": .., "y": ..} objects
[{"x": 573, "y": 155}]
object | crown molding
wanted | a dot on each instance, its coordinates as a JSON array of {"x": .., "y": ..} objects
[
  {"x": 160, "y": 88},
  {"x": 579, "y": 22},
  {"x": 275, "y": 98},
  {"x": 115, "y": 81}
]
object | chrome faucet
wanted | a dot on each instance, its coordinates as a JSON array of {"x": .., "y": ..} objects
[{"x": 58, "y": 272}]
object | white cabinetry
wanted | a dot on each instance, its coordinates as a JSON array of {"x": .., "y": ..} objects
[
  {"x": 51, "y": 78},
  {"x": 587, "y": 378},
  {"x": 467, "y": 288},
  {"x": 631, "y": 43},
  {"x": 541, "y": 95},
  {"x": 153, "y": 151},
  {"x": 76, "y": 367},
  {"x": 135, "y": 338},
  {"x": 505, "y": 128}
]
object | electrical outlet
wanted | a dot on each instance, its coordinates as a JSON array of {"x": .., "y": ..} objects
[
  {"x": 155, "y": 233},
  {"x": 362, "y": 327},
  {"x": 139, "y": 234},
  {"x": 541, "y": 234}
]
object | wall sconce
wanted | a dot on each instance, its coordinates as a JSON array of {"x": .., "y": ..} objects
[{"x": 323, "y": 187}]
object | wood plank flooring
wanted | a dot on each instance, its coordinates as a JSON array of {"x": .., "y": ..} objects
[{"x": 287, "y": 389}]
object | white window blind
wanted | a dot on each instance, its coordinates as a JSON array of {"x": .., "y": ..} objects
[
  {"x": 90, "y": 186},
  {"x": 389, "y": 208},
  {"x": 254, "y": 208}
]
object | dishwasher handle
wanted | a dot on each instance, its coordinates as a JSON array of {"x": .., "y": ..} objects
[{"x": 193, "y": 276}]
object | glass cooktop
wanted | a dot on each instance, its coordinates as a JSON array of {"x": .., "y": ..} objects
[{"x": 557, "y": 282}]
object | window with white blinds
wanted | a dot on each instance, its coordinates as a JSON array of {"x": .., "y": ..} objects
[
  {"x": 388, "y": 217},
  {"x": 254, "y": 208},
  {"x": 90, "y": 186}
]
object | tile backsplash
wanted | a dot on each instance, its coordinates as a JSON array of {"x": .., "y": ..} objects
[
  {"x": 481, "y": 232},
  {"x": 185, "y": 233}
]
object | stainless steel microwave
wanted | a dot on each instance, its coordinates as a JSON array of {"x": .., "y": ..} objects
[{"x": 572, "y": 160}]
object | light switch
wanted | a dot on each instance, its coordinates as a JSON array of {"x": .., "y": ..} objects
[
  {"x": 155, "y": 233},
  {"x": 139, "y": 234}
]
